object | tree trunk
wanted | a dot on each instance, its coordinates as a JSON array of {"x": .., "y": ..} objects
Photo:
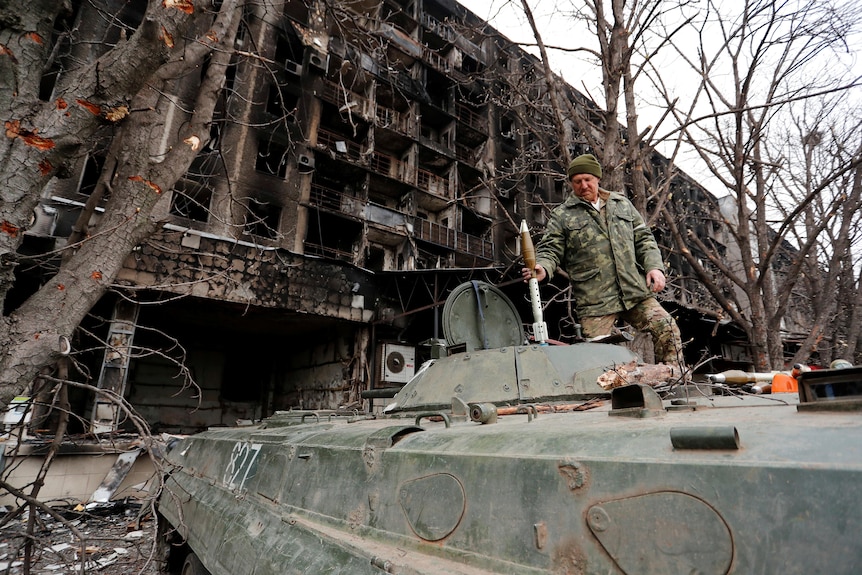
[{"x": 32, "y": 334}]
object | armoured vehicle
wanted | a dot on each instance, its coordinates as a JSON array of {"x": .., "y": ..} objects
[{"x": 505, "y": 457}]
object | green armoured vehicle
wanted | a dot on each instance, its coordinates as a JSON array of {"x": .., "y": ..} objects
[{"x": 509, "y": 458}]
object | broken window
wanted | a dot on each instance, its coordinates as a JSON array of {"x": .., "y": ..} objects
[
  {"x": 262, "y": 220},
  {"x": 191, "y": 200},
  {"x": 271, "y": 158},
  {"x": 332, "y": 236},
  {"x": 507, "y": 128},
  {"x": 280, "y": 102},
  {"x": 375, "y": 258},
  {"x": 289, "y": 50}
]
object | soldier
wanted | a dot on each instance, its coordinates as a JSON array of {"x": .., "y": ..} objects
[{"x": 611, "y": 258}]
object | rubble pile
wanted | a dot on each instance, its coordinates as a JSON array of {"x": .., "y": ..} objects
[{"x": 117, "y": 540}]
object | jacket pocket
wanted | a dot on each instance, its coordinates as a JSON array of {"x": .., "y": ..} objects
[
  {"x": 624, "y": 225},
  {"x": 579, "y": 276},
  {"x": 579, "y": 235}
]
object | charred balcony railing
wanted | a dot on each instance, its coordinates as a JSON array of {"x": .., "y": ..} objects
[
  {"x": 392, "y": 119},
  {"x": 452, "y": 239},
  {"x": 441, "y": 64},
  {"x": 446, "y": 32},
  {"x": 384, "y": 164},
  {"x": 335, "y": 94},
  {"x": 400, "y": 80},
  {"x": 383, "y": 117},
  {"x": 313, "y": 249},
  {"x": 335, "y": 201},
  {"x": 351, "y": 150},
  {"x": 471, "y": 118},
  {"x": 439, "y": 28},
  {"x": 432, "y": 183},
  {"x": 465, "y": 154},
  {"x": 436, "y": 60},
  {"x": 387, "y": 165}
]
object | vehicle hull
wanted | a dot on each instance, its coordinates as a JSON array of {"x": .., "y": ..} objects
[{"x": 576, "y": 492}]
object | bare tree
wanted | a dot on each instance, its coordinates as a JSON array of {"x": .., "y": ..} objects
[
  {"x": 125, "y": 88},
  {"x": 630, "y": 33},
  {"x": 754, "y": 66},
  {"x": 824, "y": 218}
]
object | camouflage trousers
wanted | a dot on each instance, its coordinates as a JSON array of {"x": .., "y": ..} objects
[{"x": 649, "y": 316}]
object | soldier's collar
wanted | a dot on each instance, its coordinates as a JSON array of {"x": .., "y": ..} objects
[{"x": 573, "y": 199}]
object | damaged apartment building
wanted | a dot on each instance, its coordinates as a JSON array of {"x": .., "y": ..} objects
[{"x": 308, "y": 250}]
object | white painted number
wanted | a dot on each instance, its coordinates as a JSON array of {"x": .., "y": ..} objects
[{"x": 242, "y": 459}]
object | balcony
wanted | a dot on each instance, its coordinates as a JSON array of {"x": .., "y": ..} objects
[
  {"x": 452, "y": 239},
  {"x": 384, "y": 164},
  {"x": 327, "y": 252},
  {"x": 391, "y": 119},
  {"x": 335, "y": 201},
  {"x": 439, "y": 28},
  {"x": 471, "y": 118},
  {"x": 466, "y": 155},
  {"x": 432, "y": 183},
  {"x": 445, "y": 32},
  {"x": 383, "y": 117},
  {"x": 441, "y": 64},
  {"x": 333, "y": 141},
  {"x": 399, "y": 80},
  {"x": 338, "y": 202}
]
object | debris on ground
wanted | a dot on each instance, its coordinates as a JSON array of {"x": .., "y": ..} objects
[{"x": 118, "y": 539}]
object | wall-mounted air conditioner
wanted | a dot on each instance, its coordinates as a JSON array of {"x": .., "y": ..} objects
[
  {"x": 319, "y": 61},
  {"x": 397, "y": 363},
  {"x": 305, "y": 162}
]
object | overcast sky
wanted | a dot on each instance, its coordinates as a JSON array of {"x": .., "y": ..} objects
[{"x": 507, "y": 17}]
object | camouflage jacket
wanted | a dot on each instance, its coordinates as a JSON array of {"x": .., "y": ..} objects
[{"x": 605, "y": 254}]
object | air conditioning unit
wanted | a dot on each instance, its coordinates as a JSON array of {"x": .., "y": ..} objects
[
  {"x": 397, "y": 363},
  {"x": 44, "y": 221},
  {"x": 319, "y": 61},
  {"x": 305, "y": 161}
]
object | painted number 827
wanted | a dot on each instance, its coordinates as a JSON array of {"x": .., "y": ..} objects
[{"x": 241, "y": 465}]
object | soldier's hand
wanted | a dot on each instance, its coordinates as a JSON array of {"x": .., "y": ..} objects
[
  {"x": 655, "y": 280},
  {"x": 527, "y": 273}
]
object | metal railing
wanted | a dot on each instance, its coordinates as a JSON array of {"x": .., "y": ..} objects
[
  {"x": 432, "y": 183},
  {"x": 331, "y": 140},
  {"x": 438, "y": 27},
  {"x": 383, "y": 116},
  {"x": 388, "y": 118},
  {"x": 336, "y": 201},
  {"x": 452, "y": 239},
  {"x": 313, "y": 249},
  {"x": 465, "y": 154},
  {"x": 385, "y": 164},
  {"x": 471, "y": 118}
]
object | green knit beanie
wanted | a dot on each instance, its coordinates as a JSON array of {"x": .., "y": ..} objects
[{"x": 585, "y": 164}]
